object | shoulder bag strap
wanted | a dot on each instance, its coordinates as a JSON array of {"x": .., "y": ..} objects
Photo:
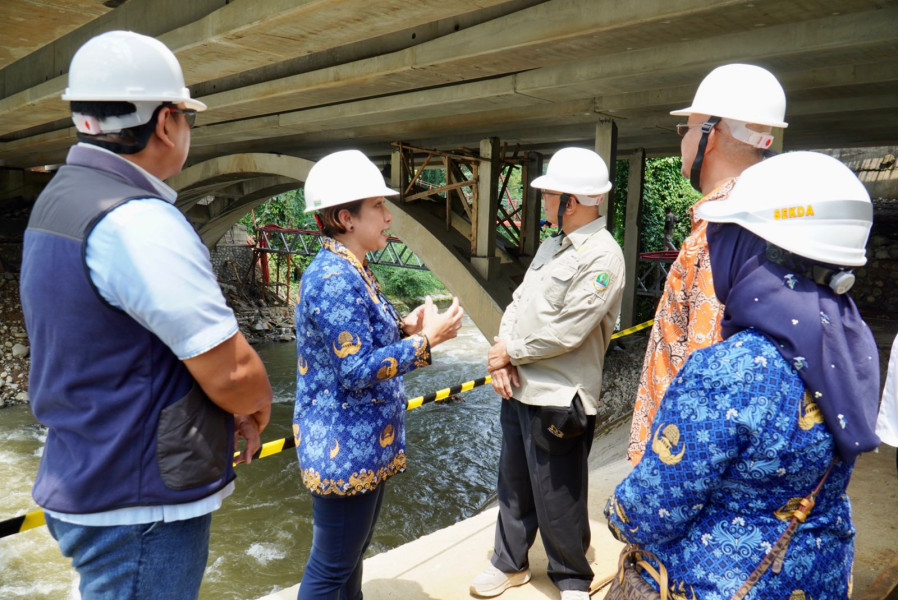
[{"x": 778, "y": 552}]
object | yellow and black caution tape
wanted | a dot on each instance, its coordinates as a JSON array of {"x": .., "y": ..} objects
[
  {"x": 445, "y": 393},
  {"x": 22, "y": 523},
  {"x": 633, "y": 329},
  {"x": 36, "y": 518},
  {"x": 286, "y": 443}
]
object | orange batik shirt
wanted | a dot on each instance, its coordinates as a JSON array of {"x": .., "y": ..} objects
[{"x": 688, "y": 318}]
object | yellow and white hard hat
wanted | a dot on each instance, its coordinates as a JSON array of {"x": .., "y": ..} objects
[
  {"x": 805, "y": 202},
  {"x": 343, "y": 177}
]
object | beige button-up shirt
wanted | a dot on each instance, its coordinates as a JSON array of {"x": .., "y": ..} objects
[{"x": 560, "y": 320}]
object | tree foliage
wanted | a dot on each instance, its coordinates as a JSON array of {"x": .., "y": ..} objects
[
  {"x": 664, "y": 187},
  {"x": 284, "y": 210}
]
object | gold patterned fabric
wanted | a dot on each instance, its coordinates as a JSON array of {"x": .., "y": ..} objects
[{"x": 358, "y": 482}]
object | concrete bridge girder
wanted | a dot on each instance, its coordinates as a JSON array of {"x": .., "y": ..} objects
[
  {"x": 305, "y": 77},
  {"x": 239, "y": 199}
]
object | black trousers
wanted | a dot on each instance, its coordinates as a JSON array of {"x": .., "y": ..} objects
[{"x": 545, "y": 492}]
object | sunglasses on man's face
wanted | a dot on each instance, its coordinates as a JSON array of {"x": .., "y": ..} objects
[
  {"x": 683, "y": 128},
  {"x": 189, "y": 115}
]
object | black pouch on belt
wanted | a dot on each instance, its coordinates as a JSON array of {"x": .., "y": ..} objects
[{"x": 556, "y": 429}]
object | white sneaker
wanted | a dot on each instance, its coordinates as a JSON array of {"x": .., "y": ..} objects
[
  {"x": 493, "y": 582},
  {"x": 574, "y": 595}
]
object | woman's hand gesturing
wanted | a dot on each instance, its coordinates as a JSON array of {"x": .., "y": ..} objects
[{"x": 439, "y": 327}]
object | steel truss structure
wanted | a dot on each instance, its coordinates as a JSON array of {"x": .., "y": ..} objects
[
  {"x": 285, "y": 243},
  {"x": 459, "y": 193}
]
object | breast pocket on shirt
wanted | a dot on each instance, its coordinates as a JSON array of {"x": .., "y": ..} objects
[{"x": 558, "y": 281}]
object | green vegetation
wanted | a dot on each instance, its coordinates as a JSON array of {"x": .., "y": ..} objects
[
  {"x": 285, "y": 210},
  {"x": 664, "y": 186},
  {"x": 407, "y": 284}
]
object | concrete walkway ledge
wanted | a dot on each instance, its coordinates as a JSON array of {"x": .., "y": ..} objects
[{"x": 440, "y": 566}]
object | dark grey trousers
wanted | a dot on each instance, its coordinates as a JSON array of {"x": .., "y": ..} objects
[{"x": 545, "y": 492}]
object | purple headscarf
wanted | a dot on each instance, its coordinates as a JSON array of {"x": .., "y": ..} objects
[{"x": 820, "y": 333}]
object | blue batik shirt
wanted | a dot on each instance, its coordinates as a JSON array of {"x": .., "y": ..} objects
[
  {"x": 738, "y": 442},
  {"x": 349, "y": 417}
]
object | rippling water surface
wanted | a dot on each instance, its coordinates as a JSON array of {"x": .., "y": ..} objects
[{"x": 261, "y": 537}]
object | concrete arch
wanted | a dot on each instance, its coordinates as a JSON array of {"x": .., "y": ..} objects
[
  {"x": 441, "y": 250},
  {"x": 214, "y": 194}
]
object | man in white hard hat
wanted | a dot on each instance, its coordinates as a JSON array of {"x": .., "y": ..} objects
[
  {"x": 547, "y": 365},
  {"x": 138, "y": 369},
  {"x": 727, "y": 130}
]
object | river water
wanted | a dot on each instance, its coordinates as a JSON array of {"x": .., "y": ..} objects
[{"x": 262, "y": 535}]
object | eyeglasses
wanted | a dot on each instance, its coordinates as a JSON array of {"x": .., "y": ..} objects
[
  {"x": 683, "y": 128},
  {"x": 189, "y": 115}
]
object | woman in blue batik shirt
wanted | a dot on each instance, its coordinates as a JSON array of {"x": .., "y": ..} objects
[
  {"x": 352, "y": 349},
  {"x": 750, "y": 425}
]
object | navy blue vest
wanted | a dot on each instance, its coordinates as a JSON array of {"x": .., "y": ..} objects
[{"x": 127, "y": 424}]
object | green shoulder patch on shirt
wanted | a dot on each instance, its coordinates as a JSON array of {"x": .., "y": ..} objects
[{"x": 603, "y": 280}]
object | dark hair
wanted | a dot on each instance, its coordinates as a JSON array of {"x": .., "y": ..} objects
[
  {"x": 127, "y": 141},
  {"x": 330, "y": 224}
]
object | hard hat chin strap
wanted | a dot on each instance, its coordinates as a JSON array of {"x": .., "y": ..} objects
[
  {"x": 563, "y": 199},
  {"x": 695, "y": 175}
]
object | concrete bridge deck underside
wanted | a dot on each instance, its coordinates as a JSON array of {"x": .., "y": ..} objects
[
  {"x": 307, "y": 77},
  {"x": 301, "y": 78}
]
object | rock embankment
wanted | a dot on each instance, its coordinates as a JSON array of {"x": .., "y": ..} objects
[
  {"x": 260, "y": 321},
  {"x": 620, "y": 378},
  {"x": 14, "y": 346}
]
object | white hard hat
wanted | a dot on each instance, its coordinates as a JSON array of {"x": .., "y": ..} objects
[
  {"x": 343, "y": 177},
  {"x": 123, "y": 66},
  {"x": 746, "y": 93},
  {"x": 805, "y": 202},
  {"x": 576, "y": 171}
]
